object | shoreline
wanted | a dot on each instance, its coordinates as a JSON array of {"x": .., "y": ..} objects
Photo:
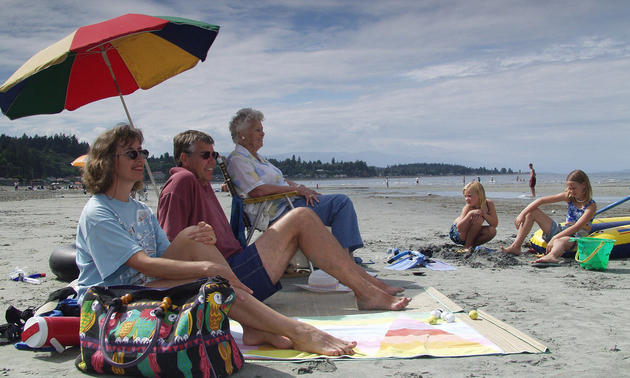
[{"x": 606, "y": 192}]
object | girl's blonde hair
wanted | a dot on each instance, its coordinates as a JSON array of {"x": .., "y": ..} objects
[
  {"x": 98, "y": 174},
  {"x": 580, "y": 177},
  {"x": 476, "y": 187}
]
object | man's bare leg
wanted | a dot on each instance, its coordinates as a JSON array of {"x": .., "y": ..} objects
[{"x": 302, "y": 228}]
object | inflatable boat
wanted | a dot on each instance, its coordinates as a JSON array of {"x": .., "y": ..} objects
[{"x": 617, "y": 229}]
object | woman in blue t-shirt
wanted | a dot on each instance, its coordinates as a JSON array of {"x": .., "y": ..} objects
[{"x": 119, "y": 241}]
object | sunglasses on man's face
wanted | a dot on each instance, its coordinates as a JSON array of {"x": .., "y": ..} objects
[
  {"x": 205, "y": 155},
  {"x": 133, "y": 154}
]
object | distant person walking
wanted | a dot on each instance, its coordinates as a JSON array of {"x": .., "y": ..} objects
[
  {"x": 387, "y": 182},
  {"x": 532, "y": 179},
  {"x": 417, "y": 180}
]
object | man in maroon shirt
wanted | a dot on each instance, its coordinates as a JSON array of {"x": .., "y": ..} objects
[{"x": 188, "y": 198}]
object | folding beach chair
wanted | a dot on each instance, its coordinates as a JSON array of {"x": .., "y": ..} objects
[{"x": 244, "y": 229}]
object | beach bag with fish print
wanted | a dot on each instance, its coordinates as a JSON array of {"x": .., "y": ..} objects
[{"x": 181, "y": 331}]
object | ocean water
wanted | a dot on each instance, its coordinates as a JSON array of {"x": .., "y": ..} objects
[{"x": 500, "y": 186}]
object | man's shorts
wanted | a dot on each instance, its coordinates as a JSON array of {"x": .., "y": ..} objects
[{"x": 249, "y": 268}]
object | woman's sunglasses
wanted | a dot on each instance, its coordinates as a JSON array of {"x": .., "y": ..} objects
[
  {"x": 133, "y": 154},
  {"x": 205, "y": 155}
]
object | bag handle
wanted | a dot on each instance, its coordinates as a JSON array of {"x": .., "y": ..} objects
[
  {"x": 592, "y": 254},
  {"x": 117, "y": 303}
]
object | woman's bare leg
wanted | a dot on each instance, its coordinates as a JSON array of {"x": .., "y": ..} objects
[
  {"x": 262, "y": 324},
  {"x": 486, "y": 234},
  {"x": 537, "y": 216},
  {"x": 558, "y": 248},
  {"x": 474, "y": 228}
]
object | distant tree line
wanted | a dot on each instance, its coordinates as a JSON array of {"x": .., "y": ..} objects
[
  {"x": 440, "y": 169},
  {"x": 163, "y": 164},
  {"x": 296, "y": 168},
  {"x": 43, "y": 157},
  {"x": 39, "y": 157}
]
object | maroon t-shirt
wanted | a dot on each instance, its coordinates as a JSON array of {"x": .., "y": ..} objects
[{"x": 185, "y": 202}]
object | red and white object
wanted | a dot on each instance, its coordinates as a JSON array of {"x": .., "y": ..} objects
[{"x": 56, "y": 331}]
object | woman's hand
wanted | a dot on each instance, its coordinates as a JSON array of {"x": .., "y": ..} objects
[
  {"x": 518, "y": 222},
  {"x": 228, "y": 274},
  {"x": 203, "y": 234},
  {"x": 309, "y": 194},
  {"x": 476, "y": 214},
  {"x": 550, "y": 245}
]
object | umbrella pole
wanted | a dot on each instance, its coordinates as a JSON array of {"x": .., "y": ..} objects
[{"x": 146, "y": 161}]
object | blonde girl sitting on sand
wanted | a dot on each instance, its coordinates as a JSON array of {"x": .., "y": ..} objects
[
  {"x": 468, "y": 229},
  {"x": 580, "y": 213}
]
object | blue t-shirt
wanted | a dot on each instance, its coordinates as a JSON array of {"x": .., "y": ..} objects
[{"x": 108, "y": 234}]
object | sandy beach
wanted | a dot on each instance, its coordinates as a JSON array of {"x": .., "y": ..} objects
[{"x": 577, "y": 314}]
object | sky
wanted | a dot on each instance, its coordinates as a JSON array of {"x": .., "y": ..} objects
[{"x": 487, "y": 83}]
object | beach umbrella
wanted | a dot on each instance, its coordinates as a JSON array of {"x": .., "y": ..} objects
[
  {"x": 108, "y": 59},
  {"x": 80, "y": 161}
]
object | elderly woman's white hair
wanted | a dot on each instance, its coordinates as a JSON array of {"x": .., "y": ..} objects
[{"x": 243, "y": 121}]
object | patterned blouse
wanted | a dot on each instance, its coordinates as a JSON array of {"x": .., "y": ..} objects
[{"x": 574, "y": 213}]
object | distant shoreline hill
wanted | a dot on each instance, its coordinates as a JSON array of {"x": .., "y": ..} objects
[
  {"x": 295, "y": 167},
  {"x": 372, "y": 158}
]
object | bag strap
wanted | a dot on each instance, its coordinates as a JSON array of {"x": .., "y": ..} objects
[
  {"x": 591, "y": 256},
  {"x": 117, "y": 303}
]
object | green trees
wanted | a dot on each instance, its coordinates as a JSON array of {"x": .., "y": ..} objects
[
  {"x": 439, "y": 169},
  {"x": 39, "y": 157},
  {"x": 293, "y": 168}
]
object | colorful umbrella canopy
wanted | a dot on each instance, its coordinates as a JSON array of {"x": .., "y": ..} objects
[
  {"x": 108, "y": 59},
  {"x": 80, "y": 161}
]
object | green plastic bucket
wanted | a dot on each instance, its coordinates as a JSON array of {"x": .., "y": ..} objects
[{"x": 593, "y": 253}]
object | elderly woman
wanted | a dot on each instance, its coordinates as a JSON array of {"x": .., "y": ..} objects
[
  {"x": 120, "y": 242},
  {"x": 256, "y": 177}
]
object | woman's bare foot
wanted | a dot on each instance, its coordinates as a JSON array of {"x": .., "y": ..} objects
[
  {"x": 310, "y": 339},
  {"x": 512, "y": 249},
  {"x": 381, "y": 300},
  {"x": 546, "y": 259},
  {"x": 253, "y": 336}
]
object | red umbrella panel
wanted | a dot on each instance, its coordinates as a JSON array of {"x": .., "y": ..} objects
[{"x": 142, "y": 51}]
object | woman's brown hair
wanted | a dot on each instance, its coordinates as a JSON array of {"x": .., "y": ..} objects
[{"x": 98, "y": 173}]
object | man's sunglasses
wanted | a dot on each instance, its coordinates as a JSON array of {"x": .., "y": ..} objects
[
  {"x": 133, "y": 154},
  {"x": 205, "y": 155}
]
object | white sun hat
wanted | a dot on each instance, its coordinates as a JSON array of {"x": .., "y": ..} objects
[{"x": 322, "y": 282}]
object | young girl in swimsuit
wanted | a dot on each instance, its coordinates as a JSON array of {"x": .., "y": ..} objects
[
  {"x": 581, "y": 210},
  {"x": 468, "y": 229}
]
